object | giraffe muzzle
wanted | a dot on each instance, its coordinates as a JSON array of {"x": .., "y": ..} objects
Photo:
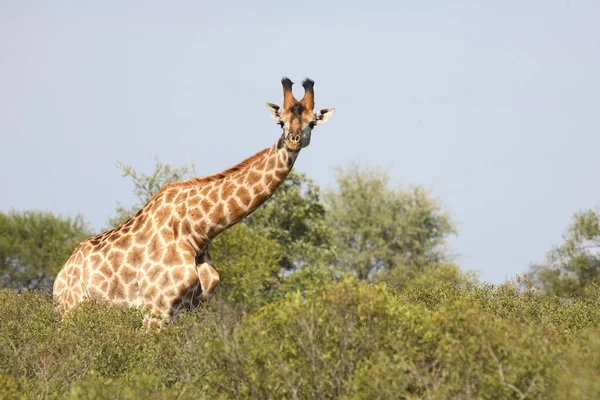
[{"x": 293, "y": 141}]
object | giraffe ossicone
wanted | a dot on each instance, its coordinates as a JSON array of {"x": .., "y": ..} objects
[{"x": 159, "y": 258}]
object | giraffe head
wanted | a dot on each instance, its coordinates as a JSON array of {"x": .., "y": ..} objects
[{"x": 297, "y": 118}]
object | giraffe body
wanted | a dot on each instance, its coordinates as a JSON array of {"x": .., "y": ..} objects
[{"x": 159, "y": 258}]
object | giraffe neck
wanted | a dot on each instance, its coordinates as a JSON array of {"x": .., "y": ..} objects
[{"x": 228, "y": 197}]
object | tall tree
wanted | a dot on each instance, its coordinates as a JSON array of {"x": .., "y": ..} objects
[
  {"x": 378, "y": 228},
  {"x": 295, "y": 218},
  {"x": 575, "y": 264},
  {"x": 34, "y": 245}
]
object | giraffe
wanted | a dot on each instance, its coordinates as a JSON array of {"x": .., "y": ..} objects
[{"x": 159, "y": 259}]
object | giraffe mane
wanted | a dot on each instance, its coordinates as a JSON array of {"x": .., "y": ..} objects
[{"x": 223, "y": 174}]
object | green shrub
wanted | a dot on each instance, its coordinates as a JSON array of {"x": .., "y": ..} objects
[
  {"x": 579, "y": 370},
  {"x": 327, "y": 341},
  {"x": 248, "y": 265},
  {"x": 34, "y": 245},
  {"x": 318, "y": 335}
]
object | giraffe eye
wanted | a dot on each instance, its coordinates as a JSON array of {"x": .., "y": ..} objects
[
  {"x": 312, "y": 124},
  {"x": 280, "y": 124}
]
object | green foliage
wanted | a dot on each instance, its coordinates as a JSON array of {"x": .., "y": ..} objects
[
  {"x": 145, "y": 186},
  {"x": 139, "y": 386},
  {"x": 324, "y": 335},
  {"x": 34, "y": 245},
  {"x": 295, "y": 218},
  {"x": 248, "y": 264},
  {"x": 48, "y": 356},
  {"x": 580, "y": 368},
  {"x": 574, "y": 265},
  {"x": 349, "y": 339},
  {"x": 428, "y": 277},
  {"x": 378, "y": 228},
  {"x": 307, "y": 280}
]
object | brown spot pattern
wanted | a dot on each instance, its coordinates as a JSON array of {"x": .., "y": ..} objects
[
  {"x": 195, "y": 214},
  {"x": 186, "y": 227},
  {"x": 235, "y": 211},
  {"x": 142, "y": 236},
  {"x": 174, "y": 224},
  {"x": 178, "y": 274},
  {"x": 97, "y": 279},
  {"x": 106, "y": 271},
  {"x": 116, "y": 289},
  {"x": 139, "y": 222},
  {"x": 204, "y": 191},
  {"x": 162, "y": 215},
  {"x": 227, "y": 190},
  {"x": 128, "y": 275},
  {"x": 115, "y": 259},
  {"x": 244, "y": 195},
  {"x": 154, "y": 272},
  {"x": 181, "y": 210},
  {"x": 206, "y": 206},
  {"x": 123, "y": 243},
  {"x": 214, "y": 195},
  {"x": 181, "y": 197},
  {"x": 135, "y": 256},
  {"x": 217, "y": 215},
  {"x": 253, "y": 177},
  {"x": 172, "y": 256},
  {"x": 154, "y": 248},
  {"x": 170, "y": 195}
]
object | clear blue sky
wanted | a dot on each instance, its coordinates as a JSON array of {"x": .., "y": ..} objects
[{"x": 496, "y": 108}]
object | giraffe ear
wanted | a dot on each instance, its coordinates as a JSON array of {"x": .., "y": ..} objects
[
  {"x": 324, "y": 114},
  {"x": 274, "y": 111}
]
